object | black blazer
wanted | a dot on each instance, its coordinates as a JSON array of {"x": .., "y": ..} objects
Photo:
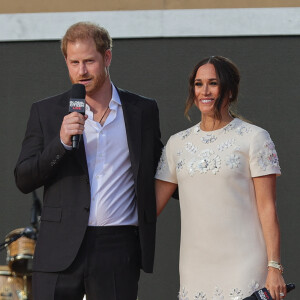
[{"x": 43, "y": 161}]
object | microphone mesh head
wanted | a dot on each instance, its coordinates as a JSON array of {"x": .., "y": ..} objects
[{"x": 78, "y": 91}]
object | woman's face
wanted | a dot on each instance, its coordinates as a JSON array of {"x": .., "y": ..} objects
[{"x": 207, "y": 89}]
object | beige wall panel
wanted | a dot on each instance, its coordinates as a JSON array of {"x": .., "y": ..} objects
[
  {"x": 34, "y": 6},
  {"x": 198, "y": 4}
]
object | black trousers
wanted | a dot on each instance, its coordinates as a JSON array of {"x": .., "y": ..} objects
[{"x": 107, "y": 267}]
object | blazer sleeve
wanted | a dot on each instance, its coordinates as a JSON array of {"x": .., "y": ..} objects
[
  {"x": 37, "y": 162},
  {"x": 157, "y": 136}
]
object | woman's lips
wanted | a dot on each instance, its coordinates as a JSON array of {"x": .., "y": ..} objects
[{"x": 205, "y": 101}]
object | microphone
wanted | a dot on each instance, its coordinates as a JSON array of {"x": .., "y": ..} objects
[
  {"x": 77, "y": 103},
  {"x": 29, "y": 232},
  {"x": 263, "y": 294}
]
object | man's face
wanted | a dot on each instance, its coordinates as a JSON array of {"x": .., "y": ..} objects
[{"x": 87, "y": 66}]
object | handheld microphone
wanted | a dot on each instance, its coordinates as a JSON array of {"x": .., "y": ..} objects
[
  {"x": 77, "y": 103},
  {"x": 263, "y": 294}
]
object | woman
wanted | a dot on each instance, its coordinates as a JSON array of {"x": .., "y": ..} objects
[{"x": 225, "y": 170}]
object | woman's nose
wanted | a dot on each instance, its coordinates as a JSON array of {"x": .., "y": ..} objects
[{"x": 205, "y": 89}]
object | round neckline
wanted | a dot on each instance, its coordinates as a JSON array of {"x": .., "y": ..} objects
[{"x": 217, "y": 130}]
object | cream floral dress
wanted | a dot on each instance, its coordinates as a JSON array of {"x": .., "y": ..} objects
[{"x": 222, "y": 250}]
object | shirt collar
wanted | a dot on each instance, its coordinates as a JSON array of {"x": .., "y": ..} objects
[
  {"x": 115, "y": 95},
  {"x": 114, "y": 101}
]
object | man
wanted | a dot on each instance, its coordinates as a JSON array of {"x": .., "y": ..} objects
[{"x": 98, "y": 221}]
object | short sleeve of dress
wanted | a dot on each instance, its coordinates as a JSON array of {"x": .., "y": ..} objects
[
  {"x": 263, "y": 156},
  {"x": 166, "y": 169}
]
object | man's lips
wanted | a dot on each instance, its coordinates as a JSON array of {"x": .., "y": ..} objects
[{"x": 85, "y": 80}]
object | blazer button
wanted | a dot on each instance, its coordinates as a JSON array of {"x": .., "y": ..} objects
[{"x": 87, "y": 209}]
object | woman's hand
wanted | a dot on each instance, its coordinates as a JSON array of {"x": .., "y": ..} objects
[
  {"x": 275, "y": 284},
  {"x": 164, "y": 191}
]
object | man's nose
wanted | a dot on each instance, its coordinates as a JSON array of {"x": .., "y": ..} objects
[{"x": 82, "y": 69}]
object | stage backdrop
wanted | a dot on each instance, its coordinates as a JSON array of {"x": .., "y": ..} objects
[{"x": 159, "y": 68}]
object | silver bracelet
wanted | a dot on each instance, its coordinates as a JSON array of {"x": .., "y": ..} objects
[{"x": 276, "y": 265}]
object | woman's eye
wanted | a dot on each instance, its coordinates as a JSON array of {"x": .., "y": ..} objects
[
  {"x": 214, "y": 83},
  {"x": 198, "y": 84}
]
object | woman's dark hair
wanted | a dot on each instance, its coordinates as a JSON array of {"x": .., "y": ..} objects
[{"x": 228, "y": 77}]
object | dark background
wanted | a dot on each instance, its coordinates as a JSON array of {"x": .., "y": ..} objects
[{"x": 159, "y": 68}]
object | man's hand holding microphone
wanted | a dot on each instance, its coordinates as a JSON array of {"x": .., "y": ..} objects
[{"x": 73, "y": 124}]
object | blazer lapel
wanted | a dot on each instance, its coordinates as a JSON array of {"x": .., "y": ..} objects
[{"x": 132, "y": 117}]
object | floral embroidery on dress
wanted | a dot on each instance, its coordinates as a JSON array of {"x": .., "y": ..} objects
[
  {"x": 182, "y": 295},
  {"x": 180, "y": 164},
  {"x": 215, "y": 164},
  {"x": 253, "y": 286},
  {"x": 268, "y": 156},
  {"x": 197, "y": 128},
  {"x": 179, "y": 152},
  {"x": 200, "y": 296},
  {"x": 236, "y": 294},
  {"x": 208, "y": 138},
  {"x": 225, "y": 145},
  {"x": 241, "y": 130},
  {"x": 229, "y": 127},
  {"x": 205, "y": 161},
  {"x": 184, "y": 134},
  {"x": 191, "y": 148},
  {"x": 192, "y": 166},
  {"x": 162, "y": 162},
  {"x": 218, "y": 294},
  {"x": 232, "y": 161}
]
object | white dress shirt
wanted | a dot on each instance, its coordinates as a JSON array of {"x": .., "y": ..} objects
[{"x": 111, "y": 178}]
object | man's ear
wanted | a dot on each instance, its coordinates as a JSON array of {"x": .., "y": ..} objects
[{"x": 107, "y": 57}]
